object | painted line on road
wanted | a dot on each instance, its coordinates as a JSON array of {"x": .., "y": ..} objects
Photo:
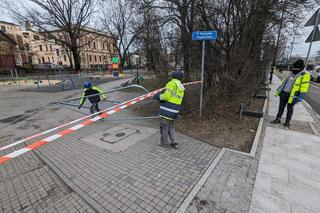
[
  {"x": 88, "y": 122},
  {"x": 314, "y": 86}
]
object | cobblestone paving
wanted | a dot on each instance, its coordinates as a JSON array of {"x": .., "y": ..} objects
[
  {"x": 143, "y": 178},
  {"x": 229, "y": 187},
  {"x": 70, "y": 203},
  {"x": 29, "y": 185}
]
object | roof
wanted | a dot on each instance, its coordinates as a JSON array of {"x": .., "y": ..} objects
[
  {"x": 5, "y": 22},
  {"x": 8, "y": 37}
]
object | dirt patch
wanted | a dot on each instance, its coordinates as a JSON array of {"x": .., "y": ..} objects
[
  {"x": 14, "y": 119},
  {"x": 220, "y": 126}
]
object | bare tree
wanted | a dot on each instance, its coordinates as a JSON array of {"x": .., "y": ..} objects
[
  {"x": 63, "y": 21},
  {"x": 119, "y": 19}
]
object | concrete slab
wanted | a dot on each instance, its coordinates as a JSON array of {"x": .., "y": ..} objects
[{"x": 120, "y": 137}]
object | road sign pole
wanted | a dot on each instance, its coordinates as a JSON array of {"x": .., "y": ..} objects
[
  {"x": 313, "y": 34},
  {"x": 202, "y": 75}
]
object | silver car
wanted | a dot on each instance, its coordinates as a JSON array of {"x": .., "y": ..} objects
[{"x": 315, "y": 74}]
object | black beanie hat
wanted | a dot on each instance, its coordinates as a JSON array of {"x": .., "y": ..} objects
[
  {"x": 299, "y": 64},
  {"x": 177, "y": 75}
]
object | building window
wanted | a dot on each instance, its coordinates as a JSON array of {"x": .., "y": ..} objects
[
  {"x": 39, "y": 61},
  {"x": 50, "y": 47},
  {"x": 57, "y": 51},
  {"x": 109, "y": 47},
  {"x": 89, "y": 44},
  {"x": 29, "y": 59},
  {"x": 64, "y": 58},
  {"x": 104, "y": 57},
  {"x": 103, "y": 46},
  {"x": 3, "y": 28},
  {"x": 49, "y": 59},
  {"x": 100, "y": 58},
  {"x": 46, "y": 47},
  {"x": 95, "y": 58},
  {"x": 36, "y": 37},
  {"x": 52, "y": 59},
  {"x": 40, "y": 47},
  {"x": 27, "y": 46},
  {"x": 90, "y": 58},
  {"x": 94, "y": 45},
  {"x": 43, "y": 60}
]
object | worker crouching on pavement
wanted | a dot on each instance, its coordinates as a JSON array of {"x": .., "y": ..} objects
[
  {"x": 292, "y": 90},
  {"x": 94, "y": 100},
  {"x": 170, "y": 106}
]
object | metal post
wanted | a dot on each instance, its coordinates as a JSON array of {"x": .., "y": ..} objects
[
  {"x": 313, "y": 34},
  {"x": 279, "y": 33},
  {"x": 138, "y": 75},
  {"x": 292, "y": 43},
  {"x": 202, "y": 75}
]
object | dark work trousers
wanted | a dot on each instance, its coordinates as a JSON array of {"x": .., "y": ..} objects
[
  {"x": 167, "y": 130},
  {"x": 94, "y": 106},
  {"x": 284, "y": 97},
  {"x": 270, "y": 77}
]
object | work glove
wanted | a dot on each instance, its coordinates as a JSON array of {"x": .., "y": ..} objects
[{"x": 156, "y": 97}]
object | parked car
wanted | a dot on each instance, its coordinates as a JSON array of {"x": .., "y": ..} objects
[
  {"x": 45, "y": 65},
  {"x": 315, "y": 74}
]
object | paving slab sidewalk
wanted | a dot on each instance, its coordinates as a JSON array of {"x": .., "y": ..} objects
[{"x": 288, "y": 177}]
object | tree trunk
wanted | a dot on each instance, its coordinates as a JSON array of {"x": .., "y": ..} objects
[{"x": 76, "y": 59}]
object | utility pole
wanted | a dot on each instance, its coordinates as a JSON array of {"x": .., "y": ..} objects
[
  {"x": 279, "y": 33},
  {"x": 291, "y": 49}
]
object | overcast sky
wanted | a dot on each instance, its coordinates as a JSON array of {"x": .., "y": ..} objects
[{"x": 300, "y": 47}]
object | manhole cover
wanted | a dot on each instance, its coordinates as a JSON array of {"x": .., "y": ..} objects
[
  {"x": 120, "y": 137},
  {"x": 121, "y": 134}
]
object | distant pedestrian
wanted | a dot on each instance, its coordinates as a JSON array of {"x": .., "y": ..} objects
[
  {"x": 170, "y": 106},
  {"x": 273, "y": 69},
  {"x": 95, "y": 99},
  {"x": 292, "y": 90}
]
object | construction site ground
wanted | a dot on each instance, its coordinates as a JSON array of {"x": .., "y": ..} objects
[{"x": 117, "y": 166}]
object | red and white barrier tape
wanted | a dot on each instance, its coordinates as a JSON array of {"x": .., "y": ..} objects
[{"x": 60, "y": 134}]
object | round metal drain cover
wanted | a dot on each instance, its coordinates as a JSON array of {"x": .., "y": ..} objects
[{"x": 121, "y": 134}]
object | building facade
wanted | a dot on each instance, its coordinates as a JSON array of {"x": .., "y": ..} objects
[
  {"x": 35, "y": 49},
  {"x": 7, "y": 52}
]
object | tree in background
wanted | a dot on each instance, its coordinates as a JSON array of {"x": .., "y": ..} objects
[{"x": 119, "y": 19}]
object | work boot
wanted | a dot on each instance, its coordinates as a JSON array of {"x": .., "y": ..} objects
[
  {"x": 174, "y": 145},
  {"x": 162, "y": 145},
  {"x": 286, "y": 124},
  {"x": 276, "y": 121}
]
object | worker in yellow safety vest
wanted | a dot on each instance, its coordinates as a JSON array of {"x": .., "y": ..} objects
[
  {"x": 170, "y": 106},
  {"x": 292, "y": 90},
  {"x": 94, "y": 99}
]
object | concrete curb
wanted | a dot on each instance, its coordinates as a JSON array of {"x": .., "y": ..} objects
[
  {"x": 183, "y": 207},
  {"x": 196, "y": 189},
  {"x": 256, "y": 140}
]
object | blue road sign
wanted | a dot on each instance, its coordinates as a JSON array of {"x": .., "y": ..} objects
[{"x": 204, "y": 35}]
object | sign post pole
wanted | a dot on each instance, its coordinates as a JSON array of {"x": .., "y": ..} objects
[
  {"x": 203, "y": 36},
  {"x": 202, "y": 75}
]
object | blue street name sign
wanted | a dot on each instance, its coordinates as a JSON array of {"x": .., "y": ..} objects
[{"x": 204, "y": 35}]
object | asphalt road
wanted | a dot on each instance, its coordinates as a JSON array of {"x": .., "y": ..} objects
[{"x": 313, "y": 96}]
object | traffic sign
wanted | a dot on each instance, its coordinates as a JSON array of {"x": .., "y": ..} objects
[
  {"x": 312, "y": 21},
  {"x": 314, "y": 36},
  {"x": 115, "y": 60},
  {"x": 204, "y": 35}
]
